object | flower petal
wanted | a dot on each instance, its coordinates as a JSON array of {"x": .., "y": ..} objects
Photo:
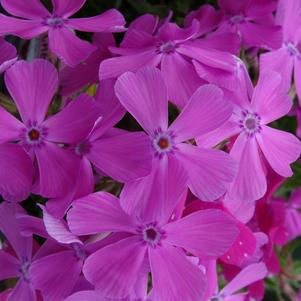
[
  {"x": 209, "y": 171},
  {"x": 9, "y": 226},
  {"x": 180, "y": 77},
  {"x": 269, "y": 94},
  {"x": 73, "y": 123},
  {"x": 110, "y": 21},
  {"x": 25, "y": 29},
  {"x": 144, "y": 95},
  {"x": 206, "y": 110},
  {"x": 280, "y": 149},
  {"x": 10, "y": 127},
  {"x": 48, "y": 276},
  {"x": 86, "y": 296},
  {"x": 208, "y": 233},
  {"x": 58, "y": 230},
  {"x": 245, "y": 277},
  {"x": 261, "y": 35},
  {"x": 32, "y": 86},
  {"x": 114, "y": 269},
  {"x": 250, "y": 183},
  {"x": 57, "y": 170},
  {"x": 98, "y": 212},
  {"x": 116, "y": 66},
  {"x": 16, "y": 172},
  {"x": 139, "y": 197},
  {"x": 66, "y": 8},
  {"x": 33, "y": 9},
  {"x": 124, "y": 157},
  {"x": 8, "y": 55},
  {"x": 9, "y": 266},
  {"x": 297, "y": 76},
  {"x": 68, "y": 47},
  {"x": 174, "y": 276},
  {"x": 22, "y": 291},
  {"x": 281, "y": 62}
]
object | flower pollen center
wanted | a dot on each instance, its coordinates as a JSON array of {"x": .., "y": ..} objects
[
  {"x": 167, "y": 47},
  {"x": 24, "y": 269},
  {"x": 34, "y": 135},
  {"x": 151, "y": 234},
  {"x": 250, "y": 123},
  {"x": 55, "y": 21},
  {"x": 237, "y": 19},
  {"x": 163, "y": 143}
]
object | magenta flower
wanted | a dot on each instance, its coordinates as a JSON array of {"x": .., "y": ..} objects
[
  {"x": 124, "y": 156},
  {"x": 206, "y": 172},
  {"x": 73, "y": 79},
  {"x": 254, "y": 110},
  {"x": 32, "y": 86},
  {"x": 114, "y": 269},
  {"x": 16, "y": 264},
  {"x": 245, "y": 277},
  {"x": 173, "y": 49},
  {"x": 286, "y": 59},
  {"x": 34, "y": 19},
  {"x": 253, "y": 21}
]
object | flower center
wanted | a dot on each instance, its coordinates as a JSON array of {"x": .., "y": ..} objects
[
  {"x": 167, "y": 47},
  {"x": 292, "y": 49},
  {"x": 33, "y": 135},
  {"x": 250, "y": 123},
  {"x": 82, "y": 148},
  {"x": 151, "y": 234},
  {"x": 163, "y": 143},
  {"x": 237, "y": 19},
  {"x": 55, "y": 21},
  {"x": 25, "y": 264}
]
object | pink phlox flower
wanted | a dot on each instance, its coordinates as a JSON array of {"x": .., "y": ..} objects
[
  {"x": 286, "y": 59},
  {"x": 257, "y": 144},
  {"x": 33, "y": 19},
  {"x": 253, "y": 21},
  {"x": 205, "y": 171},
  {"x": 114, "y": 269},
  {"x": 32, "y": 87},
  {"x": 173, "y": 50}
]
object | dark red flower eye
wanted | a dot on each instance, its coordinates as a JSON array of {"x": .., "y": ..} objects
[
  {"x": 163, "y": 143},
  {"x": 34, "y": 135}
]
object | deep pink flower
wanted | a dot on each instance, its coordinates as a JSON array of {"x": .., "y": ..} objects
[
  {"x": 114, "y": 269},
  {"x": 34, "y": 19},
  {"x": 287, "y": 58},
  {"x": 254, "y": 110},
  {"x": 243, "y": 247},
  {"x": 244, "y": 278},
  {"x": 122, "y": 155},
  {"x": 253, "y": 20},
  {"x": 73, "y": 79},
  {"x": 206, "y": 172},
  {"x": 173, "y": 50},
  {"x": 32, "y": 86}
]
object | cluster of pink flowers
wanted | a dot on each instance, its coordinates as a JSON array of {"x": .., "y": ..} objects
[{"x": 197, "y": 190}]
